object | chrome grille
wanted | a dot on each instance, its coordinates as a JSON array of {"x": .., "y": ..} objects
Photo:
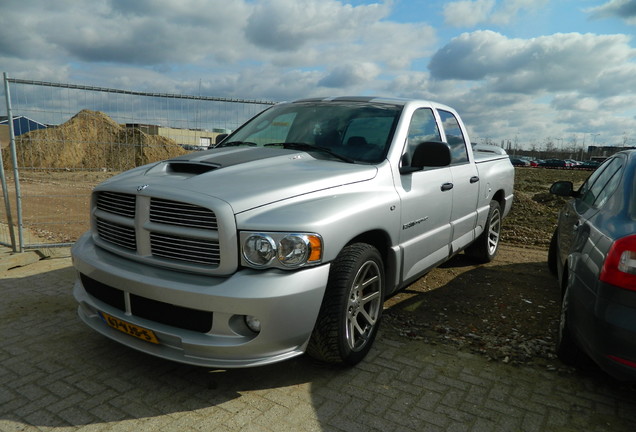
[
  {"x": 117, "y": 234},
  {"x": 181, "y": 214},
  {"x": 158, "y": 231},
  {"x": 192, "y": 250},
  {"x": 117, "y": 203}
]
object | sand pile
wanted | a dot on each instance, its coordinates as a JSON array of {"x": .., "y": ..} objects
[{"x": 91, "y": 140}]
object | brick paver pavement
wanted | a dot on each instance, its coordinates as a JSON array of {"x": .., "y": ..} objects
[{"x": 57, "y": 375}]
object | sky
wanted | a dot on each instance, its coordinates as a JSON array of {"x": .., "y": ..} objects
[{"x": 526, "y": 72}]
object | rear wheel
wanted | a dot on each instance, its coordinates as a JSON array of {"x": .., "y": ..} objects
[
  {"x": 485, "y": 248},
  {"x": 553, "y": 254},
  {"x": 350, "y": 313},
  {"x": 567, "y": 350}
]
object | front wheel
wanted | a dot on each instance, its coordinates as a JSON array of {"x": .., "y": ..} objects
[
  {"x": 350, "y": 313},
  {"x": 485, "y": 248}
]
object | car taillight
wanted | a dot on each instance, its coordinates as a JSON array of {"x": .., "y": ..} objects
[{"x": 619, "y": 268}]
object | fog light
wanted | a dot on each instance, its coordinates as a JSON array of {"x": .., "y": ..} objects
[{"x": 253, "y": 323}]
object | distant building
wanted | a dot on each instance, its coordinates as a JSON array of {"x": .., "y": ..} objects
[
  {"x": 605, "y": 151},
  {"x": 21, "y": 125},
  {"x": 187, "y": 138}
]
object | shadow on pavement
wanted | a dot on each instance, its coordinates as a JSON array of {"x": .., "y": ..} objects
[{"x": 57, "y": 373}]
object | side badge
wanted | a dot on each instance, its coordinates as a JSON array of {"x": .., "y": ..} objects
[{"x": 142, "y": 187}]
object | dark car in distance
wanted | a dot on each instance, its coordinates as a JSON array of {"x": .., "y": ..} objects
[
  {"x": 554, "y": 163},
  {"x": 519, "y": 162},
  {"x": 593, "y": 254}
]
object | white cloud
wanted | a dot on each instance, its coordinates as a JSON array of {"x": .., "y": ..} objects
[
  {"x": 310, "y": 33},
  {"x": 350, "y": 75},
  {"x": 284, "y": 25},
  {"x": 552, "y": 85},
  {"x": 557, "y": 62},
  {"x": 123, "y": 32},
  {"x": 574, "y": 101},
  {"x": 509, "y": 10},
  {"x": 471, "y": 13},
  {"x": 468, "y": 13}
]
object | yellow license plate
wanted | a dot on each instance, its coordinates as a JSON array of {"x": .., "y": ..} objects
[{"x": 131, "y": 329}]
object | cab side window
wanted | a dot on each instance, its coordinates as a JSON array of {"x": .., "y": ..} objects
[
  {"x": 454, "y": 137},
  {"x": 423, "y": 128}
]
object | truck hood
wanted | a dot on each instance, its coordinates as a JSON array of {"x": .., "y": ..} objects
[{"x": 245, "y": 177}]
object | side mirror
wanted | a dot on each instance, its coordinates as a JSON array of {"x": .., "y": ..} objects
[
  {"x": 220, "y": 138},
  {"x": 563, "y": 188},
  {"x": 428, "y": 154}
]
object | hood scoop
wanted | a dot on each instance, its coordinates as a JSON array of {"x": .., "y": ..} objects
[{"x": 189, "y": 168}]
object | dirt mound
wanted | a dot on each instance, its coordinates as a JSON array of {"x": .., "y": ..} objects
[
  {"x": 91, "y": 140},
  {"x": 529, "y": 222},
  {"x": 533, "y": 217}
]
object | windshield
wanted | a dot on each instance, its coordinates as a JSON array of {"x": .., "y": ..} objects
[{"x": 349, "y": 131}]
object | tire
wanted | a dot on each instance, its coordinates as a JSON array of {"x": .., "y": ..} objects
[
  {"x": 351, "y": 309},
  {"x": 553, "y": 254},
  {"x": 566, "y": 348},
  {"x": 485, "y": 248}
]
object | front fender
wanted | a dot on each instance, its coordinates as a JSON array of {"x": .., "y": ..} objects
[{"x": 338, "y": 215}]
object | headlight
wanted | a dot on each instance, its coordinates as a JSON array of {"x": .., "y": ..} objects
[
  {"x": 259, "y": 249},
  {"x": 282, "y": 250}
]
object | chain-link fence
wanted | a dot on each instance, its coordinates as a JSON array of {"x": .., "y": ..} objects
[{"x": 64, "y": 139}]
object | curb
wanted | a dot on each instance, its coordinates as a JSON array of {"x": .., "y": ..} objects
[{"x": 10, "y": 259}]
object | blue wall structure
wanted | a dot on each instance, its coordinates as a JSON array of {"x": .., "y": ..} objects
[{"x": 22, "y": 124}]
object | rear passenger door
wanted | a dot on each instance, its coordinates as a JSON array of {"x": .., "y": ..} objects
[
  {"x": 465, "y": 179},
  {"x": 574, "y": 220}
]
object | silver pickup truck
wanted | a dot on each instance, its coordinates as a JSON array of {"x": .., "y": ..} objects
[{"x": 288, "y": 235}]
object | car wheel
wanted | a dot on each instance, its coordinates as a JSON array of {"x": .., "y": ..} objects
[
  {"x": 351, "y": 309},
  {"x": 553, "y": 254},
  {"x": 567, "y": 350},
  {"x": 485, "y": 248}
]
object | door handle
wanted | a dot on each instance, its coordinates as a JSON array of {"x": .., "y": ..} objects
[
  {"x": 446, "y": 187},
  {"x": 474, "y": 179}
]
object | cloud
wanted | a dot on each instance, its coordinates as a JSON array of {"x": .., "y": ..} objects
[
  {"x": 310, "y": 33},
  {"x": 283, "y": 25},
  {"x": 558, "y": 62},
  {"x": 556, "y": 85},
  {"x": 215, "y": 35},
  {"x": 471, "y": 13},
  {"x": 468, "y": 13},
  {"x": 623, "y": 9},
  {"x": 350, "y": 75},
  {"x": 138, "y": 33},
  {"x": 286, "y": 49}
]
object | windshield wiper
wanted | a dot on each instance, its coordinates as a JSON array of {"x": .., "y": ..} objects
[
  {"x": 311, "y": 147},
  {"x": 236, "y": 144}
]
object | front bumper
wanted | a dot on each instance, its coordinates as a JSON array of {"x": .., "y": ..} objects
[{"x": 286, "y": 303}]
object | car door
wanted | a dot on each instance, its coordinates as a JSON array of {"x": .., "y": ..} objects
[
  {"x": 426, "y": 203},
  {"x": 573, "y": 221},
  {"x": 463, "y": 217},
  {"x": 581, "y": 229}
]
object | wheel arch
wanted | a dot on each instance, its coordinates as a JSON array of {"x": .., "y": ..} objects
[
  {"x": 564, "y": 280},
  {"x": 381, "y": 240},
  {"x": 500, "y": 197}
]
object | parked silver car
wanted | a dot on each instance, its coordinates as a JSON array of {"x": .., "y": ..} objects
[{"x": 593, "y": 254}]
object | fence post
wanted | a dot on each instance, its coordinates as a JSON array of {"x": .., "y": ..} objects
[{"x": 14, "y": 161}]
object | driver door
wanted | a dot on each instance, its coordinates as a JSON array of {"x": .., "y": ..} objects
[{"x": 426, "y": 203}]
